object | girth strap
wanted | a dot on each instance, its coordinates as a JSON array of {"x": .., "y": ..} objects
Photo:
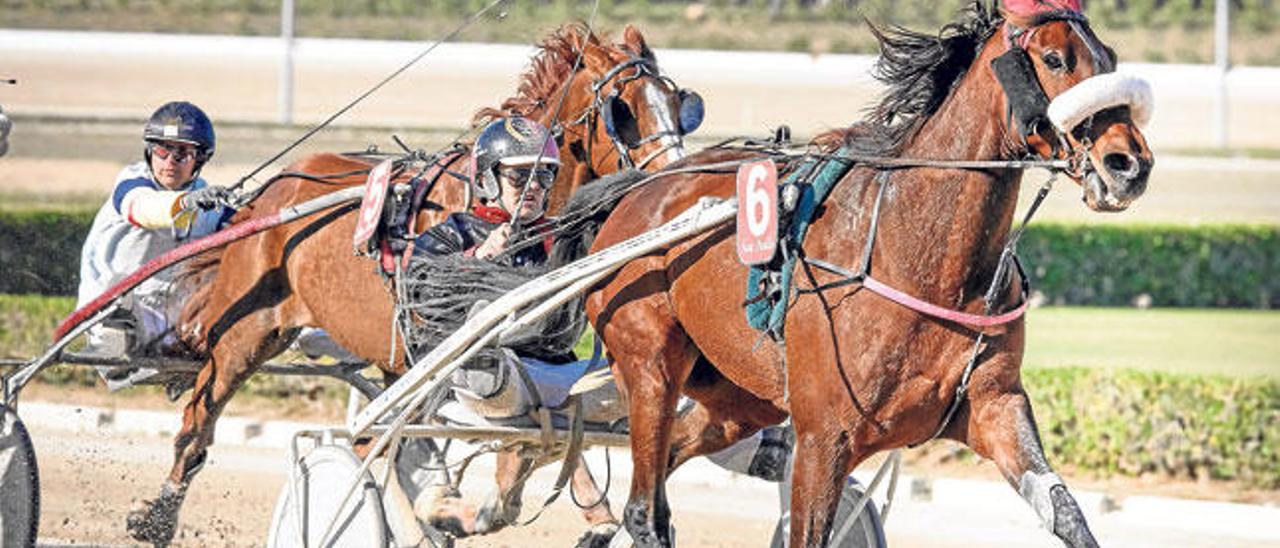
[{"x": 976, "y": 321}]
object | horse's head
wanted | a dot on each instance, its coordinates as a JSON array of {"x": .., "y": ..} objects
[
  {"x": 618, "y": 110},
  {"x": 630, "y": 114},
  {"x": 1066, "y": 102}
]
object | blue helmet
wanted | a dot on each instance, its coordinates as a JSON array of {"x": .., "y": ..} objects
[{"x": 182, "y": 122}]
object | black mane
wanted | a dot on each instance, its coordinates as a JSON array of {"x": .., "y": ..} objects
[{"x": 920, "y": 70}]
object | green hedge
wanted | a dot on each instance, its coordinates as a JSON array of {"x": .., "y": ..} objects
[
  {"x": 1136, "y": 423},
  {"x": 40, "y": 250},
  {"x": 1206, "y": 266},
  {"x": 1202, "y": 266}
]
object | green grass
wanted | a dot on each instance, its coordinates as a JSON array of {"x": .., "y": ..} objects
[
  {"x": 52, "y": 201},
  {"x": 27, "y": 322},
  {"x": 1237, "y": 343}
]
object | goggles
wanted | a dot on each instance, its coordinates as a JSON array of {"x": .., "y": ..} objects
[
  {"x": 176, "y": 152},
  {"x": 543, "y": 176}
]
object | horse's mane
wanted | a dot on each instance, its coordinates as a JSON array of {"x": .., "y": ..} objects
[
  {"x": 920, "y": 71},
  {"x": 550, "y": 67}
]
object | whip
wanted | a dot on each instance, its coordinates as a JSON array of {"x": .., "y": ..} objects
[{"x": 453, "y": 33}]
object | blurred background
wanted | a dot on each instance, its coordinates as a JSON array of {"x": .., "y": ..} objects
[{"x": 1153, "y": 360}]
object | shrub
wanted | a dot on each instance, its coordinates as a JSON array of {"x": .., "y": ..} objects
[
  {"x": 1135, "y": 423},
  {"x": 40, "y": 250},
  {"x": 1203, "y": 266}
]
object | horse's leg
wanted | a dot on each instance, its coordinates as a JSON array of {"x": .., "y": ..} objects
[
  {"x": 651, "y": 391},
  {"x": 602, "y": 524},
  {"x": 1002, "y": 428},
  {"x": 450, "y": 513},
  {"x": 822, "y": 460},
  {"x": 722, "y": 414},
  {"x": 217, "y": 381}
]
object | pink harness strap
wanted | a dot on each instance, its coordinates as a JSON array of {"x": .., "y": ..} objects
[{"x": 930, "y": 309}]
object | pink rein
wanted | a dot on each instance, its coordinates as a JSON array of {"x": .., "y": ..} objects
[
  {"x": 930, "y": 309},
  {"x": 186, "y": 251}
]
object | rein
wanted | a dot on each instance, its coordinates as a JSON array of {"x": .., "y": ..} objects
[{"x": 978, "y": 322}]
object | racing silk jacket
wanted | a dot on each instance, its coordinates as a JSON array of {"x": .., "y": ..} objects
[
  {"x": 464, "y": 232},
  {"x": 135, "y": 226}
]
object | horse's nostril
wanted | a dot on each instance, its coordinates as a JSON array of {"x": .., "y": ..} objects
[{"x": 1121, "y": 164}]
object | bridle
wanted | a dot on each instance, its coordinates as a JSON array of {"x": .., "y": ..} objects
[
  {"x": 602, "y": 109},
  {"x": 1027, "y": 102}
]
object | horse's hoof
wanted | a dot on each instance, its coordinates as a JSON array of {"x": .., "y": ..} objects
[
  {"x": 445, "y": 511},
  {"x": 598, "y": 536},
  {"x": 145, "y": 525}
]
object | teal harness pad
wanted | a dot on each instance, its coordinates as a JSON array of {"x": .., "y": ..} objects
[{"x": 766, "y": 302}]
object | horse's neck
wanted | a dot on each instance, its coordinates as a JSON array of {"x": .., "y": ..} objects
[{"x": 958, "y": 220}]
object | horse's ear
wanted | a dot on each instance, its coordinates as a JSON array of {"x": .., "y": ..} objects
[{"x": 634, "y": 41}]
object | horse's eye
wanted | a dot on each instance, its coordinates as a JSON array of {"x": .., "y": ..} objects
[{"x": 1053, "y": 60}]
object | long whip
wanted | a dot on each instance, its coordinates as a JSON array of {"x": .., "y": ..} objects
[
  {"x": 452, "y": 34},
  {"x": 564, "y": 94}
]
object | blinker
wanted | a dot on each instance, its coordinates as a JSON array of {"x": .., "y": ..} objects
[
  {"x": 619, "y": 122},
  {"x": 692, "y": 110},
  {"x": 1028, "y": 103}
]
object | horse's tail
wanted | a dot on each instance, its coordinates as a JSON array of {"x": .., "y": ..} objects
[{"x": 586, "y": 210}]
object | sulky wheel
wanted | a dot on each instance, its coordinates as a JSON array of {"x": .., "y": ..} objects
[
  {"x": 19, "y": 481},
  {"x": 847, "y": 531},
  {"x": 310, "y": 501}
]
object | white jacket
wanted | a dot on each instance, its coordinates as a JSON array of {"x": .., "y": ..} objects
[{"x": 133, "y": 227}]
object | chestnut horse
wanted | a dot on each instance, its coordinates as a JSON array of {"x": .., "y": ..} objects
[
  {"x": 253, "y": 297},
  {"x": 859, "y": 373}
]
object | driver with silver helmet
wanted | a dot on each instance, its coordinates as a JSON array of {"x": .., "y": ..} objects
[
  {"x": 514, "y": 164},
  {"x": 155, "y": 205}
]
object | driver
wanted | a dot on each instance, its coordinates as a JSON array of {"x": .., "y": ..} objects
[
  {"x": 515, "y": 162},
  {"x": 155, "y": 205},
  {"x": 508, "y": 154}
]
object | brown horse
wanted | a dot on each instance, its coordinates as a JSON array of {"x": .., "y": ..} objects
[
  {"x": 859, "y": 373},
  {"x": 254, "y": 296}
]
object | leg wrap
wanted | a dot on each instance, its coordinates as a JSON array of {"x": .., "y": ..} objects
[{"x": 1037, "y": 488}]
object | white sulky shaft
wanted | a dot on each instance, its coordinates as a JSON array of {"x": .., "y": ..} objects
[{"x": 577, "y": 277}]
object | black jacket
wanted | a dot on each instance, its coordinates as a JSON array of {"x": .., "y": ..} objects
[{"x": 462, "y": 232}]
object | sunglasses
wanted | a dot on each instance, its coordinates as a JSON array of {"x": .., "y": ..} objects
[
  {"x": 177, "y": 152},
  {"x": 542, "y": 176}
]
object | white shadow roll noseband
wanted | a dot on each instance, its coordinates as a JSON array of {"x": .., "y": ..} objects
[{"x": 1099, "y": 93}]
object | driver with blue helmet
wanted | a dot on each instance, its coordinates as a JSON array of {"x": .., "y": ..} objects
[{"x": 155, "y": 205}]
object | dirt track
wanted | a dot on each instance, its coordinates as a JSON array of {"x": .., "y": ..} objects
[{"x": 89, "y": 483}]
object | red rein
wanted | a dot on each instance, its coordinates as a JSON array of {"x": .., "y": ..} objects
[{"x": 222, "y": 237}]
